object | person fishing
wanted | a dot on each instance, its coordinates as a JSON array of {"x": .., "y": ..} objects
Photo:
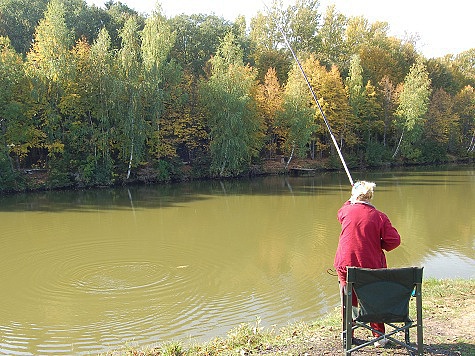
[
  {"x": 365, "y": 234},
  {"x": 366, "y": 231}
]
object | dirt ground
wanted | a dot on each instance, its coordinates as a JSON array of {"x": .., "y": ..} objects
[{"x": 445, "y": 333}]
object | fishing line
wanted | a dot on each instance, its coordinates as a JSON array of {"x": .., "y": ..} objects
[{"x": 314, "y": 98}]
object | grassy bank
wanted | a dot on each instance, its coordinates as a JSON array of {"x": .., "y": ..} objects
[{"x": 448, "y": 318}]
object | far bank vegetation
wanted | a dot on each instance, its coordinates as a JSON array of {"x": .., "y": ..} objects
[{"x": 101, "y": 96}]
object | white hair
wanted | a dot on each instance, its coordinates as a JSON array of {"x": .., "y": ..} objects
[{"x": 362, "y": 191}]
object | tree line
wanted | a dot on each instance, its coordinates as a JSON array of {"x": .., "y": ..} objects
[{"x": 99, "y": 96}]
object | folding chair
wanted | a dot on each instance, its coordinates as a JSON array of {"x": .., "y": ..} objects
[{"x": 383, "y": 297}]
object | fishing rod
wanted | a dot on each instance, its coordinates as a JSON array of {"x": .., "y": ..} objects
[{"x": 315, "y": 99}]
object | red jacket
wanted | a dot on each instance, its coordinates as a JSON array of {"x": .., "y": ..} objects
[{"x": 365, "y": 233}]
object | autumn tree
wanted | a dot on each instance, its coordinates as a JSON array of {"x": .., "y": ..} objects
[
  {"x": 333, "y": 98},
  {"x": 389, "y": 94},
  {"x": 465, "y": 64},
  {"x": 157, "y": 42},
  {"x": 87, "y": 105},
  {"x": 48, "y": 65},
  {"x": 269, "y": 100},
  {"x": 465, "y": 109},
  {"x": 440, "y": 129},
  {"x": 297, "y": 118},
  {"x": 183, "y": 130},
  {"x": 371, "y": 116}
]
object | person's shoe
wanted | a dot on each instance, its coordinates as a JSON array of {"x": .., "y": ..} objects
[
  {"x": 355, "y": 341},
  {"x": 381, "y": 343}
]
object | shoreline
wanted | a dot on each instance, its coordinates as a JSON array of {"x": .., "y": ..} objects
[
  {"x": 37, "y": 179},
  {"x": 448, "y": 311}
]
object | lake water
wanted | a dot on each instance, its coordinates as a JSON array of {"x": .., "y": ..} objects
[{"x": 86, "y": 272}]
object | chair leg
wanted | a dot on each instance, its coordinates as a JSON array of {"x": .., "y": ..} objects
[
  {"x": 407, "y": 337},
  {"x": 348, "y": 318},
  {"x": 420, "y": 337}
]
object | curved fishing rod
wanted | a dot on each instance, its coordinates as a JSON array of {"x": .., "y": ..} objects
[{"x": 315, "y": 99}]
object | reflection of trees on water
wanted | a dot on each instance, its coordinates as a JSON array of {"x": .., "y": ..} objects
[
  {"x": 258, "y": 247},
  {"x": 433, "y": 212}
]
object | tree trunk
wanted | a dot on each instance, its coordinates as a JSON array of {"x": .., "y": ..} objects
[
  {"x": 471, "y": 148},
  {"x": 291, "y": 155},
  {"x": 399, "y": 144},
  {"x": 131, "y": 159}
]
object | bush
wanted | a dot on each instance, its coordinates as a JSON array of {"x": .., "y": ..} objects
[
  {"x": 10, "y": 180},
  {"x": 58, "y": 173},
  {"x": 433, "y": 152},
  {"x": 376, "y": 154}
]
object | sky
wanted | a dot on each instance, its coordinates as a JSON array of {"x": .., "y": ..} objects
[{"x": 442, "y": 28}]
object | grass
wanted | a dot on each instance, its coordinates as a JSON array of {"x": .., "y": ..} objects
[{"x": 448, "y": 312}]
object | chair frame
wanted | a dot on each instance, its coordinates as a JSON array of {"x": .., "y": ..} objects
[{"x": 349, "y": 324}]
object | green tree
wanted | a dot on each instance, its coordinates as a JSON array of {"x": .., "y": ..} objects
[
  {"x": 85, "y": 21},
  {"x": 299, "y": 22},
  {"x": 228, "y": 96},
  {"x": 413, "y": 104},
  {"x": 13, "y": 126},
  {"x": 332, "y": 36},
  {"x": 118, "y": 14},
  {"x": 354, "y": 84},
  {"x": 48, "y": 57},
  {"x": 267, "y": 52},
  {"x": 265, "y": 31},
  {"x": 130, "y": 124},
  {"x": 101, "y": 96},
  {"x": 197, "y": 39},
  {"x": 18, "y": 20}
]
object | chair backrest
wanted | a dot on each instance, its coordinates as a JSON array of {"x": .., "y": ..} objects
[{"x": 384, "y": 294}]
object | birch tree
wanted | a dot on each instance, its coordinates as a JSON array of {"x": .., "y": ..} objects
[
  {"x": 129, "y": 86},
  {"x": 228, "y": 96},
  {"x": 157, "y": 42},
  {"x": 413, "y": 104},
  {"x": 102, "y": 89}
]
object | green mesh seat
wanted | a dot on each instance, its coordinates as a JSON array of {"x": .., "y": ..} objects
[{"x": 383, "y": 297}]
